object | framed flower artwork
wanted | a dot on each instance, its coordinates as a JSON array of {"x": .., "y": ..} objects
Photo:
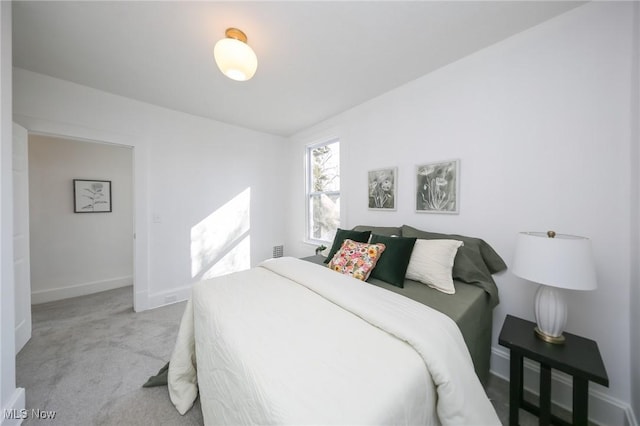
[
  {"x": 383, "y": 189},
  {"x": 91, "y": 196},
  {"x": 438, "y": 187}
]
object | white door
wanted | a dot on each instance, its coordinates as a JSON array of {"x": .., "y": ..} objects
[{"x": 21, "y": 265}]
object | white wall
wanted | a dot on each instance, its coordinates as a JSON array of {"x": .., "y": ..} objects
[
  {"x": 11, "y": 398},
  {"x": 205, "y": 193},
  {"x": 71, "y": 253},
  {"x": 635, "y": 220},
  {"x": 541, "y": 124}
]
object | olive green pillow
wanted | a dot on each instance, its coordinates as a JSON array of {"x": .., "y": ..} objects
[
  {"x": 389, "y": 231},
  {"x": 343, "y": 234},
  {"x": 482, "y": 251},
  {"x": 392, "y": 265}
]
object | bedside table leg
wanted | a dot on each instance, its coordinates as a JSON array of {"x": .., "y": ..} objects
[
  {"x": 515, "y": 388},
  {"x": 545, "y": 395},
  {"x": 580, "y": 401}
]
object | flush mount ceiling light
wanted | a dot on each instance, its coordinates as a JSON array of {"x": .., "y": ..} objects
[{"x": 234, "y": 57}]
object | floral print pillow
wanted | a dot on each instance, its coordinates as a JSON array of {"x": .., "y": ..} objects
[{"x": 356, "y": 259}]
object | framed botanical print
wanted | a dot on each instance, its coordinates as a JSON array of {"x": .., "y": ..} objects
[
  {"x": 383, "y": 189},
  {"x": 91, "y": 196},
  {"x": 438, "y": 187}
]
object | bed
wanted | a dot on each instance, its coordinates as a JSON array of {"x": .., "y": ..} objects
[
  {"x": 293, "y": 342},
  {"x": 471, "y": 307}
]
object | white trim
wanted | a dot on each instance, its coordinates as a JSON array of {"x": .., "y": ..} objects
[
  {"x": 140, "y": 300},
  {"x": 15, "y": 404},
  {"x": 308, "y": 147},
  {"x": 23, "y": 332},
  {"x": 603, "y": 409},
  {"x": 47, "y": 127},
  {"x": 44, "y": 296},
  {"x": 169, "y": 297}
]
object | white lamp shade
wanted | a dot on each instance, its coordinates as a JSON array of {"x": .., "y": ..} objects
[
  {"x": 565, "y": 261},
  {"x": 235, "y": 59}
]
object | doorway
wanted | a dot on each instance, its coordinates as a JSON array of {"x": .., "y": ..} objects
[{"x": 77, "y": 250}]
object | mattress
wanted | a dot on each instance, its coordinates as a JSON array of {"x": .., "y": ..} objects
[{"x": 470, "y": 308}]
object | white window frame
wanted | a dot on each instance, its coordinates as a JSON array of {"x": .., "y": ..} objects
[{"x": 309, "y": 193}]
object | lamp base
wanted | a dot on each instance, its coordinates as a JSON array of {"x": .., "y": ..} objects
[
  {"x": 556, "y": 340},
  {"x": 551, "y": 314}
]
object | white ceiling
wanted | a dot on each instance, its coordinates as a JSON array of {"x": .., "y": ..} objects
[{"x": 315, "y": 59}]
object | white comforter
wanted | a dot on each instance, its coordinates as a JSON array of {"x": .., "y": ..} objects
[{"x": 292, "y": 342}]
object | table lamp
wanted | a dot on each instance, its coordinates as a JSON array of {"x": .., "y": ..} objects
[{"x": 553, "y": 261}]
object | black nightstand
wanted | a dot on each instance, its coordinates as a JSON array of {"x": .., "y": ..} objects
[{"x": 578, "y": 357}]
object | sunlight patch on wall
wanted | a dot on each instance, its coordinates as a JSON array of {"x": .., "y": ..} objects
[
  {"x": 220, "y": 243},
  {"x": 236, "y": 260}
]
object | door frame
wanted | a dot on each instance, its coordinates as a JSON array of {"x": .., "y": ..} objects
[
  {"x": 139, "y": 148},
  {"x": 21, "y": 243}
]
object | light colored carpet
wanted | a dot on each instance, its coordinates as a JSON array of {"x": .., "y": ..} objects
[{"x": 89, "y": 356}]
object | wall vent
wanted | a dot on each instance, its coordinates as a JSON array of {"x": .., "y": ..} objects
[{"x": 278, "y": 251}]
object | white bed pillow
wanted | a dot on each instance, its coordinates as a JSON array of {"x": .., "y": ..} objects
[{"x": 431, "y": 263}]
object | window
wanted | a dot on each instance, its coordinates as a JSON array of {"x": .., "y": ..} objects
[{"x": 323, "y": 191}]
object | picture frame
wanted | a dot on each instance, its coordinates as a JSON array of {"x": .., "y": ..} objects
[
  {"x": 438, "y": 187},
  {"x": 383, "y": 189},
  {"x": 92, "y": 196}
]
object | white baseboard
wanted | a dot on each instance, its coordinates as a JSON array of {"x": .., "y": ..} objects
[
  {"x": 140, "y": 301},
  {"x": 603, "y": 409},
  {"x": 23, "y": 333},
  {"x": 44, "y": 296},
  {"x": 168, "y": 297},
  {"x": 14, "y": 412}
]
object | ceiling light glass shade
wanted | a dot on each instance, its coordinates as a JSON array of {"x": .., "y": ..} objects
[{"x": 235, "y": 59}]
